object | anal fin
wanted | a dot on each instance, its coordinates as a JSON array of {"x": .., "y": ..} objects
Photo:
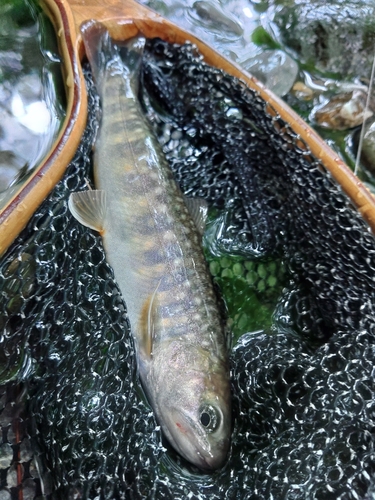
[{"x": 198, "y": 209}]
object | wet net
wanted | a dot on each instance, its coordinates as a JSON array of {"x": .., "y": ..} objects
[{"x": 74, "y": 419}]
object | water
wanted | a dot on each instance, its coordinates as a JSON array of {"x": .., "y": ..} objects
[{"x": 32, "y": 105}]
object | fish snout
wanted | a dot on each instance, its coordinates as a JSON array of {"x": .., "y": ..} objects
[
  {"x": 206, "y": 451},
  {"x": 216, "y": 460}
]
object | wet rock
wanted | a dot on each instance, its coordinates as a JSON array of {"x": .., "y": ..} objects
[
  {"x": 274, "y": 68},
  {"x": 343, "y": 111},
  {"x": 337, "y": 36},
  {"x": 214, "y": 18}
]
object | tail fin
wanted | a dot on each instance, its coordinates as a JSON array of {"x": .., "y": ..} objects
[
  {"x": 131, "y": 53},
  {"x": 101, "y": 50}
]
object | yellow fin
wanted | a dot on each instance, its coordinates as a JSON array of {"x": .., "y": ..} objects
[
  {"x": 198, "y": 209},
  {"x": 147, "y": 324},
  {"x": 89, "y": 208}
]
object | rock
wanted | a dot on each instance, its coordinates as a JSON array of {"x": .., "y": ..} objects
[
  {"x": 274, "y": 68},
  {"x": 343, "y": 111},
  {"x": 325, "y": 32},
  {"x": 215, "y": 19}
]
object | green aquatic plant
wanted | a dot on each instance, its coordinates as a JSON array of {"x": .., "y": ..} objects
[
  {"x": 250, "y": 289},
  {"x": 261, "y": 37}
]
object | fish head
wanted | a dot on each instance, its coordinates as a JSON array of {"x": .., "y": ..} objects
[
  {"x": 194, "y": 412},
  {"x": 202, "y": 436}
]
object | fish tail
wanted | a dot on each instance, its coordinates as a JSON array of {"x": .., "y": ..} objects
[
  {"x": 101, "y": 51},
  {"x": 131, "y": 53}
]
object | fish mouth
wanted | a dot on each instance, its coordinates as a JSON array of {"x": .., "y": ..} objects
[
  {"x": 212, "y": 463},
  {"x": 193, "y": 444}
]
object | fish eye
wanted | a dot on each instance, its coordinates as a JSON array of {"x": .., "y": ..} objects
[{"x": 209, "y": 418}]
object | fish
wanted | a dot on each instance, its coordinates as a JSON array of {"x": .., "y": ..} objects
[{"x": 152, "y": 237}]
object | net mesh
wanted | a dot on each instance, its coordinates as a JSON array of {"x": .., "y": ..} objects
[{"x": 74, "y": 419}]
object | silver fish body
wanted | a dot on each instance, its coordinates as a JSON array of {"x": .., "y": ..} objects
[{"x": 154, "y": 248}]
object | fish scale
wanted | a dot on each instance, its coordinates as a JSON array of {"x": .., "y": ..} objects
[
  {"x": 157, "y": 208},
  {"x": 153, "y": 246}
]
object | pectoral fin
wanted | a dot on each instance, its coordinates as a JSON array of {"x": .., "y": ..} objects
[
  {"x": 89, "y": 208},
  {"x": 198, "y": 209},
  {"x": 147, "y": 325}
]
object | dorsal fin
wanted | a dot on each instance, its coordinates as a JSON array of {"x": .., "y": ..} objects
[{"x": 89, "y": 208}]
